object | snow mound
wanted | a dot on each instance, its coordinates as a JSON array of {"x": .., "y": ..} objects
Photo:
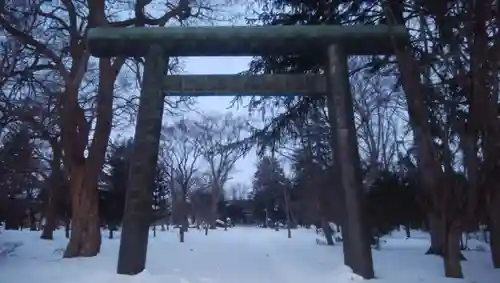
[{"x": 8, "y": 248}]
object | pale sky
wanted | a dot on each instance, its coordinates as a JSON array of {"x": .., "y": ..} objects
[
  {"x": 234, "y": 11},
  {"x": 223, "y": 65}
]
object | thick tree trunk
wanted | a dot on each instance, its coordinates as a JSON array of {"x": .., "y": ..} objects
[
  {"x": 214, "y": 208},
  {"x": 436, "y": 234},
  {"x": 49, "y": 227},
  {"x": 328, "y": 232},
  {"x": 495, "y": 245},
  {"x": 452, "y": 255},
  {"x": 10, "y": 224},
  {"x": 495, "y": 229},
  {"x": 50, "y": 216},
  {"x": 431, "y": 172},
  {"x": 85, "y": 237},
  {"x": 32, "y": 219}
]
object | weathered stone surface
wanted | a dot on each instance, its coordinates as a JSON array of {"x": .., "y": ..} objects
[
  {"x": 137, "y": 215},
  {"x": 245, "y": 40},
  {"x": 357, "y": 250},
  {"x": 265, "y": 85}
]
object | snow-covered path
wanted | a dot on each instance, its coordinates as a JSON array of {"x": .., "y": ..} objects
[
  {"x": 240, "y": 255},
  {"x": 243, "y": 255}
]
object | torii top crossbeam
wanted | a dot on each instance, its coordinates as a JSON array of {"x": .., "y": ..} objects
[{"x": 245, "y": 40}]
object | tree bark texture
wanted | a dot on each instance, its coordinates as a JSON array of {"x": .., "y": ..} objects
[
  {"x": 328, "y": 232},
  {"x": 452, "y": 253},
  {"x": 340, "y": 108},
  {"x": 436, "y": 234},
  {"x": 50, "y": 212},
  {"x": 85, "y": 239},
  {"x": 495, "y": 245},
  {"x": 430, "y": 170},
  {"x": 84, "y": 170},
  {"x": 214, "y": 210},
  {"x": 137, "y": 215},
  {"x": 495, "y": 229},
  {"x": 54, "y": 184}
]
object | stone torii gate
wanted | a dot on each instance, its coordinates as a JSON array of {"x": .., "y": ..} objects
[{"x": 157, "y": 44}]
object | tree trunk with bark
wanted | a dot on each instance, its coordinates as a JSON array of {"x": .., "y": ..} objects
[
  {"x": 430, "y": 169},
  {"x": 408, "y": 231},
  {"x": 452, "y": 254},
  {"x": 495, "y": 229},
  {"x": 495, "y": 245},
  {"x": 214, "y": 207},
  {"x": 181, "y": 234},
  {"x": 85, "y": 237},
  {"x": 328, "y": 232},
  {"x": 436, "y": 234},
  {"x": 50, "y": 215},
  {"x": 288, "y": 212},
  {"x": 184, "y": 221},
  {"x": 52, "y": 198}
]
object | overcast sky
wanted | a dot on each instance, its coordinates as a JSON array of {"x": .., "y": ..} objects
[
  {"x": 223, "y": 65},
  {"x": 232, "y": 10}
]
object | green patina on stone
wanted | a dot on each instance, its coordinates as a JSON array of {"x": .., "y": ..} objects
[{"x": 245, "y": 40}]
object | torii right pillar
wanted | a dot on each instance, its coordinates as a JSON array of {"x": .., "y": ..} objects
[{"x": 357, "y": 248}]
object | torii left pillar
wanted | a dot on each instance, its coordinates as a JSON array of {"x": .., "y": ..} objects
[{"x": 137, "y": 216}]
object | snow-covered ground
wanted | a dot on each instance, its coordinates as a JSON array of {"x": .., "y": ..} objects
[{"x": 240, "y": 255}]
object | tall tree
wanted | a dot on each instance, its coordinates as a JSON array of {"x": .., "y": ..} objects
[
  {"x": 85, "y": 133},
  {"x": 269, "y": 184},
  {"x": 218, "y": 134},
  {"x": 161, "y": 192},
  {"x": 113, "y": 189},
  {"x": 183, "y": 153},
  {"x": 441, "y": 68},
  {"x": 18, "y": 179}
]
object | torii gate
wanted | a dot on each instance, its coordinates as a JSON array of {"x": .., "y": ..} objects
[{"x": 156, "y": 44}]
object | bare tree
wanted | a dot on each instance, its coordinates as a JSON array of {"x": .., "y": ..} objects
[
  {"x": 379, "y": 113},
  {"x": 200, "y": 199},
  {"x": 183, "y": 152},
  {"x": 239, "y": 191},
  {"x": 217, "y": 133},
  {"x": 85, "y": 87}
]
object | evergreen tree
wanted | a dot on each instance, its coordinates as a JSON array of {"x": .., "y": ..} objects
[
  {"x": 18, "y": 181},
  {"x": 269, "y": 185},
  {"x": 161, "y": 193},
  {"x": 113, "y": 188}
]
